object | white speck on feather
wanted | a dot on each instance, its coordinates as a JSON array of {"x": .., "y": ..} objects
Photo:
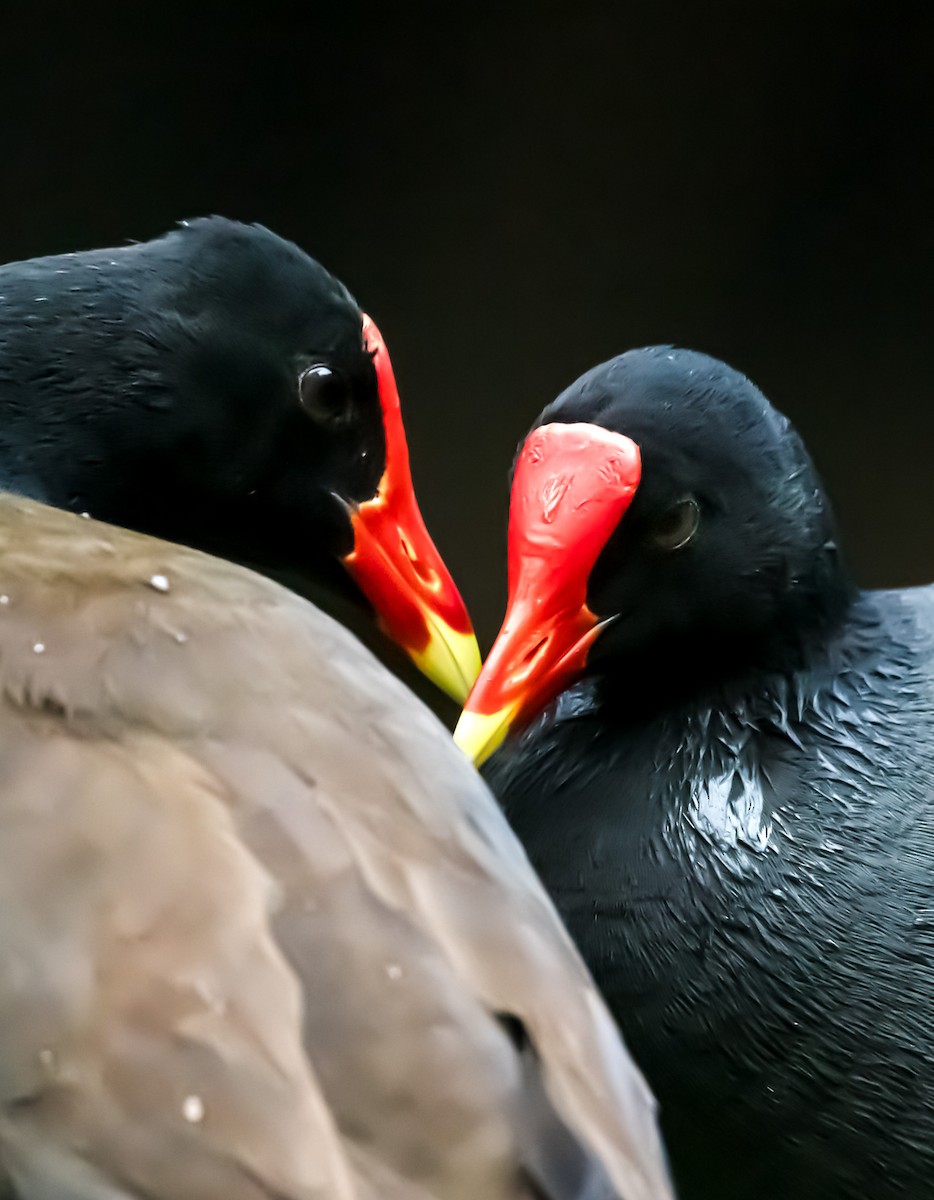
[
  {"x": 47, "y": 1058},
  {"x": 394, "y": 971},
  {"x": 180, "y": 636},
  {"x": 4, "y": 599},
  {"x": 193, "y": 1109},
  {"x": 39, "y": 648},
  {"x": 87, "y": 516},
  {"x": 159, "y": 582}
]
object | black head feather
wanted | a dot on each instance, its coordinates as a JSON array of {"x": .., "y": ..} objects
[
  {"x": 157, "y": 385},
  {"x": 763, "y": 568}
]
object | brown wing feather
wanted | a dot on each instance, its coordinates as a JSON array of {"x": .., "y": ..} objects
[
  {"x": 157, "y": 1025},
  {"x": 250, "y": 774}
]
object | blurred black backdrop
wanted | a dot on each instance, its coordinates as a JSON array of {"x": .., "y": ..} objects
[{"x": 516, "y": 193}]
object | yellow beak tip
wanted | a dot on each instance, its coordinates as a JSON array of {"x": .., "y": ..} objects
[
  {"x": 451, "y": 660},
  {"x": 480, "y": 734}
]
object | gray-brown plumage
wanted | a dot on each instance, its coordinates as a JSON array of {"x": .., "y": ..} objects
[{"x": 263, "y": 932}]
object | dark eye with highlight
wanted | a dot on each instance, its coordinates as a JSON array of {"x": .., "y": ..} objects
[
  {"x": 677, "y": 526},
  {"x": 325, "y": 394}
]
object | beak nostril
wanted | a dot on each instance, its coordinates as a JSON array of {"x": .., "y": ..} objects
[
  {"x": 425, "y": 573},
  {"x": 530, "y": 655}
]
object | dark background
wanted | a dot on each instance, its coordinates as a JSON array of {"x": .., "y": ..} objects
[{"x": 518, "y": 193}]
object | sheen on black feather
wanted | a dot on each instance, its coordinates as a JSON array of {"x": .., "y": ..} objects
[{"x": 734, "y": 809}]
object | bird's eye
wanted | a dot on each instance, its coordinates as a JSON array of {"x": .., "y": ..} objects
[
  {"x": 675, "y": 528},
  {"x": 325, "y": 394}
]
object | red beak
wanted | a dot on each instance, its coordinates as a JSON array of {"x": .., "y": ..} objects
[
  {"x": 396, "y": 564},
  {"x": 572, "y": 485}
]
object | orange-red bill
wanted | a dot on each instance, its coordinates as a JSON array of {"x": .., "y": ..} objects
[
  {"x": 571, "y": 487},
  {"x": 397, "y": 565}
]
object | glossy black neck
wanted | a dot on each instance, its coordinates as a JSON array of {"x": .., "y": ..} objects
[{"x": 712, "y": 665}]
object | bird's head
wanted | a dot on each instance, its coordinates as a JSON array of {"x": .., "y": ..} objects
[
  {"x": 236, "y": 398},
  {"x": 665, "y": 522}
]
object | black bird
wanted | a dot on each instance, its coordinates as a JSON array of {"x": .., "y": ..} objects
[
  {"x": 733, "y": 805},
  {"x": 217, "y": 387}
]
